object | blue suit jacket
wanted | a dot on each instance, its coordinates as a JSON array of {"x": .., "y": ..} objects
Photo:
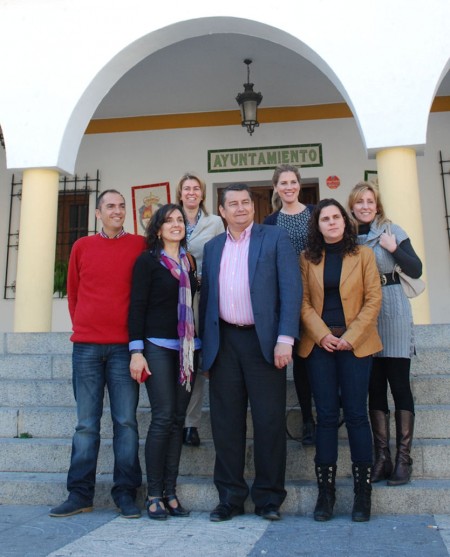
[{"x": 275, "y": 290}]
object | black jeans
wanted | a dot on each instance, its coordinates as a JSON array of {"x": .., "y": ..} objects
[{"x": 169, "y": 401}]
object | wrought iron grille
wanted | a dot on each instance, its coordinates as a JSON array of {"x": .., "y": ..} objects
[{"x": 76, "y": 218}]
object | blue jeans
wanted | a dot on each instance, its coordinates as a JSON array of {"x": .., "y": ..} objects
[
  {"x": 169, "y": 401},
  {"x": 94, "y": 366},
  {"x": 340, "y": 373}
]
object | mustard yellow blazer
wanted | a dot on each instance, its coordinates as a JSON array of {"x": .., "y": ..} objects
[{"x": 360, "y": 290}]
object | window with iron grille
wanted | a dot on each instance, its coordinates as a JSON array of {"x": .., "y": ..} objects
[{"x": 76, "y": 218}]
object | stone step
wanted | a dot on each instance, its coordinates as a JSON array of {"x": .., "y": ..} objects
[
  {"x": 431, "y": 422},
  {"x": 59, "y": 366},
  {"x": 48, "y": 355},
  {"x": 199, "y": 494},
  {"x": 432, "y": 336},
  {"x": 431, "y": 458},
  {"x": 35, "y": 343},
  {"x": 60, "y": 421},
  {"x": 431, "y": 389},
  {"x": 427, "y": 389},
  {"x": 430, "y": 361},
  {"x": 427, "y": 336}
]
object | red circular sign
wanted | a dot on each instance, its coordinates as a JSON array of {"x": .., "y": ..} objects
[{"x": 333, "y": 182}]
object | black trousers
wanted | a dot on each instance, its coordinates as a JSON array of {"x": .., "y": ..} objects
[
  {"x": 394, "y": 372},
  {"x": 302, "y": 387},
  {"x": 169, "y": 401},
  {"x": 241, "y": 374}
]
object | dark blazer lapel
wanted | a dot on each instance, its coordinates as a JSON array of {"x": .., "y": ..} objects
[
  {"x": 216, "y": 255},
  {"x": 214, "y": 268},
  {"x": 256, "y": 238}
]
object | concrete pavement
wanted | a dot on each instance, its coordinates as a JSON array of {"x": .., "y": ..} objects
[{"x": 28, "y": 531}]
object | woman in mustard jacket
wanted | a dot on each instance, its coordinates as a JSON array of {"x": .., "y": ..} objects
[{"x": 341, "y": 301}]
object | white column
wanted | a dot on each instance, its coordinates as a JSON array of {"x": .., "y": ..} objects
[
  {"x": 36, "y": 257},
  {"x": 399, "y": 188}
]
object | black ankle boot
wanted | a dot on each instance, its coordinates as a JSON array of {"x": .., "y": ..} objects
[
  {"x": 326, "y": 477},
  {"x": 363, "y": 492},
  {"x": 191, "y": 437}
]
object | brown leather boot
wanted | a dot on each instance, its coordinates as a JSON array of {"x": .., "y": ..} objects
[
  {"x": 404, "y": 421},
  {"x": 382, "y": 468}
]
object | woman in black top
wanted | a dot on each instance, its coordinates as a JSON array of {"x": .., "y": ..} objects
[
  {"x": 162, "y": 344},
  {"x": 341, "y": 302},
  {"x": 294, "y": 216}
]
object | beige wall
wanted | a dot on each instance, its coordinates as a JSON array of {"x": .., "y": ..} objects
[{"x": 130, "y": 159}]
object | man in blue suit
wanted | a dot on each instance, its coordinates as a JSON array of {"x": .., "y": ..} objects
[{"x": 249, "y": 316}]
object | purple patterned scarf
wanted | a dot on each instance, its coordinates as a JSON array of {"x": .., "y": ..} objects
[{"x": 185, "y": 316}]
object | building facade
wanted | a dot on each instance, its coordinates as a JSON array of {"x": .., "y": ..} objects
[{"x": 388, "y": 67}]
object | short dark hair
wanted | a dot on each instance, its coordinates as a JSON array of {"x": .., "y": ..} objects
[
  {"x": 154, "y": 243},
  {"x": 102, "y": 195},
  {"x": 234, "y": 187}
]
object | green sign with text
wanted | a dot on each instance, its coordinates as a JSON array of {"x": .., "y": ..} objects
[{"x": 260, "y": 158}]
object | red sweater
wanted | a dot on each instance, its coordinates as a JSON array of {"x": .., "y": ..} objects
[{"x": 98, "y": 287}]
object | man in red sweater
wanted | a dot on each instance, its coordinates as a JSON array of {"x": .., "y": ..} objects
[{"x": 98, "y": 288}]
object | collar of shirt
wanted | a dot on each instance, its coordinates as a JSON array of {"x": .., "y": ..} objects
[
  {"x": 245, "y": 234},
  {"x": 119, "y": 235}
]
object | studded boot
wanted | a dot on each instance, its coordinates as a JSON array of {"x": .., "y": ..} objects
[
  {"x": 326, "y": 478},
  {"x": 363, "y": 492}
]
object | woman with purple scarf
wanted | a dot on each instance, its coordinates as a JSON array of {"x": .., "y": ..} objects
[{"x": 162, "y": 345}]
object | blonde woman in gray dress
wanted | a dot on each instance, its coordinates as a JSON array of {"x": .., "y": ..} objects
[
  {"x": 201, "y": 227},
  {"x": 391, "y": 246}
]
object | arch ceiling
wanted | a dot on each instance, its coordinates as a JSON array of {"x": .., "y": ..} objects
[
  {"x": 191, "y": 66},
  {"x": 205, "y": 73}
]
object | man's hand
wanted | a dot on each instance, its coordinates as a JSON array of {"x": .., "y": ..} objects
[
  {"x": 282, "y": 354},
  {"x": 137, "y": 365}
]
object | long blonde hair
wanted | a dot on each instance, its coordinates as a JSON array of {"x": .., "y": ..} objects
[
  {"x": 356, "y": 193},
  {"x": 276, "y": 201}
]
